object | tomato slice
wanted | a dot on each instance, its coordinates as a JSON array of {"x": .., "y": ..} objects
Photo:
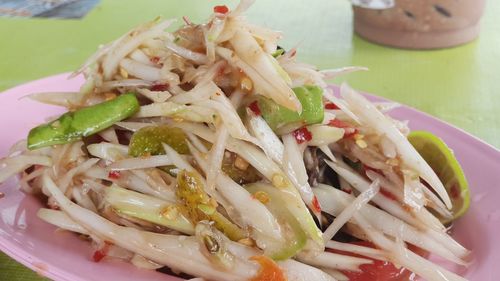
[
  {"x": 379, "y": 270},
  {"x": 269, "y": 270}
]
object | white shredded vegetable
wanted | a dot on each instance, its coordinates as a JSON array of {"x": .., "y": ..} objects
[
  {"x": 348, "y": 212},
  {"x": 141, "y": 163},
  {"x": 375, "y": 119}
]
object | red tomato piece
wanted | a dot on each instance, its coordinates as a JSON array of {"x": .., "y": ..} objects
[
  {"x": 269, "y": 270},
  {"x": 379, "y": 270}
]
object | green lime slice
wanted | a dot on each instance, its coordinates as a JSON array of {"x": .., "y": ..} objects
[{"x": 442, "y": 160}]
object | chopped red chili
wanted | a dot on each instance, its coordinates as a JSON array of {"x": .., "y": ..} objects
[
  {"x": 254, "y": 107},
  {"x": 222, "y": 9},
  {"x": 302, "y": 135},
  {"x": 156, "y": 60},
  {"x": 114, "y": 175},
  {"x": 331, "y": 105},
  {"x": 159, "y": 87},
  {"x": 101, "y": 253},
  {"x": 316, "y": 205}
]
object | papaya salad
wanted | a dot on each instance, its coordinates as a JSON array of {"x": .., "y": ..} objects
[{"x": 213, "y": 152}]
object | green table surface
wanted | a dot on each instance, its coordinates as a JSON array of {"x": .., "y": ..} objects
[{"x": 458, "y": 85}]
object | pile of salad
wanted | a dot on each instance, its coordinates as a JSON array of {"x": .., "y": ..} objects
[{"x": 212, "y": 152}]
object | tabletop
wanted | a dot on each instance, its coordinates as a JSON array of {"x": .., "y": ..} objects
[{"x": 457, "y": 85}]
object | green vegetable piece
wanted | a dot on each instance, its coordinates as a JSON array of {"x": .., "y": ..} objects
[
  {"x": 443, "y": 161},
  {"x": 147, "y": 208},
  {"x": 295, "y": 237},
  {"x": 72, "y": 126},
  {"x": 281, "y": 118},
  {"x": 241, "y": 176},
  {"x": 199, "y": 206},
  {"x": 278, "y": 53},
  {"x": 215, "y": 246},
  {"x": 148, "y": 141}
]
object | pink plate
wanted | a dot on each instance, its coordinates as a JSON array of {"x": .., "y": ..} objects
[{"x": 62, "y": 256}]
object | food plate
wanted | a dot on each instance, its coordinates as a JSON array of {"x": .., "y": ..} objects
[{"x": 63, "y": 256}]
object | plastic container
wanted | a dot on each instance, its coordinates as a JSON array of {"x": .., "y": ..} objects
[{"x": 421, "y": 24}]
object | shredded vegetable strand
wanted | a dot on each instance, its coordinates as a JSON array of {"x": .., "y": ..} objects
[
  {"x": 405, "y": 257},
  {"x": 294, "y": 167},
  {"x": 375, "y": 119},
  {"x": 348, "y": 212},
  {"x": 157, "y": 247},
  {"x": 216, "y": 156}
]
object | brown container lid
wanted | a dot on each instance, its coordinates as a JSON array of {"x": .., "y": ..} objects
[{"x": 423, "y": 24}]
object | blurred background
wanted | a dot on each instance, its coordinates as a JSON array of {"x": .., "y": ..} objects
[{"x": 458, "y": 85}]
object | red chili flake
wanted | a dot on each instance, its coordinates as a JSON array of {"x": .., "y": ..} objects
[
  {"x": 222, "y": 9},
  {"x": 114, "y": 175},
  {"x": 349, "y": 131},
  {"x": 454, "y": 192},
  {"x": 331, "y": 105},
  {"x": 388, "y": 194},
  {"x": 101, "y": 253},
  {"x": 254, "y": 107},
  {"x": 302, "y": 135},
  {"x": 2, "y": 195},
  {"x": 155, "y": 60},
  {"x": 159, "y": 87},
  {"x": 315, "y": 204}
]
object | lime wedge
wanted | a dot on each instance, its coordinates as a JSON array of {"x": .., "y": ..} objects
[{"x": 442, "y": 160}]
